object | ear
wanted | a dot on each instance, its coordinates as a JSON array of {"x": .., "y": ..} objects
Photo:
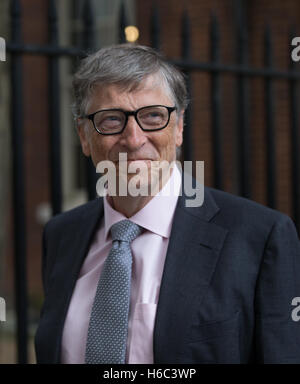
[
  {"x": 179, "y": 130},
  {"x": 84, "y": 137}
]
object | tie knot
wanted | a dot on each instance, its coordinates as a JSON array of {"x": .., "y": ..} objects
[{"x": 125, "y": 230}]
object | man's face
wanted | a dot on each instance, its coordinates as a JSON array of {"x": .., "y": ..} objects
[{"x": 137, "y": 144}]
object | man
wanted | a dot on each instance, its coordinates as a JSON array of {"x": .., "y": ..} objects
[{"x": 140, "y": 278}]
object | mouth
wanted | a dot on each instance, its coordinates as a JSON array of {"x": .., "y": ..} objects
[{"x": 132, "y": 160}]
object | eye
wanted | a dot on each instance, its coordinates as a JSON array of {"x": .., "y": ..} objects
[
  {"x": 153, "y": 116},
  {"x": 112, "y": 118},
  {"x": 150, "y": 114},
  {"x": 109, "y": 120}
]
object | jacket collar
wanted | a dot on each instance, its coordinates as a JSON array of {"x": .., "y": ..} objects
[{"x": 192, "y": 255}]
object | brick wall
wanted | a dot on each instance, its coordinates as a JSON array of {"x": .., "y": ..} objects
[
  {"x": 280, "y": 16},
  {"x": 36, "y": 143}
]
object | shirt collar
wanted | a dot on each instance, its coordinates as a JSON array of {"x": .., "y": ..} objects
[{"x": 157, "y": 215}]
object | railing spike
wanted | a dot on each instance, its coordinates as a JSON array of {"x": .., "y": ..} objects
[
  {"x": 89, "y": 26},
  {"x": 186, "y": 35},
  {"x": 155, "y": 27},
  {"x": 122, "y": 23}
]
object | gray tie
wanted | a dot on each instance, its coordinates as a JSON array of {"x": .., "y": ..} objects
[{"x": 107, "y": 333}]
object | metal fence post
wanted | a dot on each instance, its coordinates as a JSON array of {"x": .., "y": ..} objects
[
  {"x": 295, "y": 141},
  {"x": 243, "y": 137},
  {"x": 270, "y": 139},
  {"x": 122, "y": 24},
  {"x": 155, "y": 28},
  {"x": 88, "y": 47},
  {"x": 216, "y": 105},
  {"x": 188, "y": 153},
  {"x": 19, "y": 198},
  {"x": 54, "y": 115}
]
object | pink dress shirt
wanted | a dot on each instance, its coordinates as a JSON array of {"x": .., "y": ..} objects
[{"x": 149, "y": 252}]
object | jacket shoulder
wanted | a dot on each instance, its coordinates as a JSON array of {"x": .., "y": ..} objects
[
  {"x": 72, "y": 217},
  {"x": 242, "y": 211}
]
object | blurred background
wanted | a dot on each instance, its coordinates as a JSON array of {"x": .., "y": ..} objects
[{"x": 242, "y": 120}]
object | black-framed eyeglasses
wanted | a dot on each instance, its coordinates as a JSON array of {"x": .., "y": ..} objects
[{"x": 113, "y": 121}]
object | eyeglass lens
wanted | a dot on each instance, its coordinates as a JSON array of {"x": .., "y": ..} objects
[{"x": 149, "y": 118}]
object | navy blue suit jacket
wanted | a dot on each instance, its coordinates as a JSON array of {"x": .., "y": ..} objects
[{"x": 231, "y": 271}]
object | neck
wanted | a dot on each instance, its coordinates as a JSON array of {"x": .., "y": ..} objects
[{"x": 130, "y": 205}]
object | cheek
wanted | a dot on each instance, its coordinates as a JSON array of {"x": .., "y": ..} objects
[
  {"x": 100, "y": 148},
  {"x": 167, "y": 144}
]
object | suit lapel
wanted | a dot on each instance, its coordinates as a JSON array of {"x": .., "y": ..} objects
[{"x": 192, "y": 254}]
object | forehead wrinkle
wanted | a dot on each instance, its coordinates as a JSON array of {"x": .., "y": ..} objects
[{"x": 148, "y": 83}]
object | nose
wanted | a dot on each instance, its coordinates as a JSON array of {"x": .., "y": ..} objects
[{"x": 133, "y": 137}]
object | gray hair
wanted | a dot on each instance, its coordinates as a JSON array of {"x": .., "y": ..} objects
[{"x": 125, "y": 65}]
